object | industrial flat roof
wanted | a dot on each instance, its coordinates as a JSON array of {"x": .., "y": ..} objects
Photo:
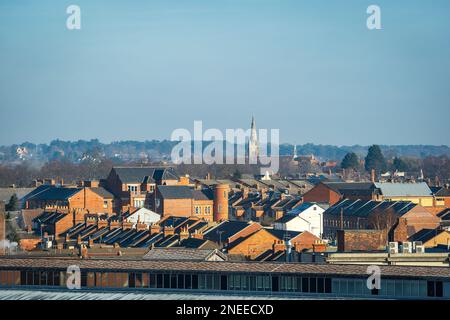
[
  {"x": 57, "y": 294},
  {"x": 225, "y": 267}
]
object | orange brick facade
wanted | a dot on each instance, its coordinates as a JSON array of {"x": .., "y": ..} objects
[
  {"x": 304, "y": 240},
  {"x": 29, "y": 244},
  {"x": 175, "y": 207},
  {"x": 412, "y": 222},
  {"x": 361, "y": 240},
  {"x": 322, "y": 193},
  {"x": 90, "y": 201},
  {"x": 254, "y": 245},
  {"x": 262, "y": 240},
  {"x": 85, "y": 199}
]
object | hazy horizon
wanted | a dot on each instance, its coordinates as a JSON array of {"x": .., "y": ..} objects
[{"x": 137, "y": 70}]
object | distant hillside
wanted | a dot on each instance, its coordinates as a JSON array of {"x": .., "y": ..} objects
[{"x": 155, "y": 150}]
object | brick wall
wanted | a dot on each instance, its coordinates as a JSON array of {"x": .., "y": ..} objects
[
  {"x": 177, "y": 207},
  {"x": 361, "y": 240},
  {"x": 254, "y": 244},
  {"x": 412, "y": 222},
  {"x": 29, "y": 244},
  {"x": 304, "y": 240},
  {"x": 203, "y": 205},
  {"x": 322, "y": 193},
  {"x": 89, "y": 200}
]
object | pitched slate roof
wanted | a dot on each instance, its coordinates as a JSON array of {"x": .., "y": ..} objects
[
  {"x": 286, "y": 218},
  {"x": 304, "y": 206},
  {"x": 247, "y": 202},
  {"x": 389, "y": 189},
  {"x": 352, "y": 188},
  {"x": 49, "y": 217},
  {"x": 444, "y": 214},
  {"x": 144, "y": 174},
  {"x": 55, "y": 193},
  {"x": 441, "y": 191},
  {"x": 425, "y": 235},
  {"x": 283, "y": 234},
  {"x": 165, "y": 174},
  {"x": 175, "y": 192},
  {"x": 134, "y": 174},
  {"x": 102, "y": 192},
  {"x": 195, "y": 243},
  {"x": 225, "y": 230},
  {"x": 205, "y": 194}
]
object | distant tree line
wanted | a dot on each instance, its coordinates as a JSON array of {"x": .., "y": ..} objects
[
  {"x": 432, "y": 166},
  {"x": 159, "y": 150}
]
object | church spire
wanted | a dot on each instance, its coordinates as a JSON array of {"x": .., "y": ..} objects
[{"x": 253, "y": 146}]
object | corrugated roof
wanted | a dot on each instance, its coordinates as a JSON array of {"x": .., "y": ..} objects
[
  {"x": 389, "y": 189},
  {"x": 362, "y": 208}
]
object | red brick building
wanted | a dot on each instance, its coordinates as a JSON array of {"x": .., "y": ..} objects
[
  {"x": 266, "y": 241},
  {"x": 63, "y": 199},
  {"x": 413, "y": 221},
  {"x": 333, "y": 192},
  {"x": 184, "y": 201},
  {"x": 133, "y": 186},
  {"x": 398, "y": 219}
]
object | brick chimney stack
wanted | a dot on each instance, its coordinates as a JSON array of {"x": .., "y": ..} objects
[
  {"x": 141, "y": 227},
  {"x": 197, "y": 235},
  {"x": 319, "y": 246},
  {"x": 126, "y": 225},
  {"x": 90, "y": 221},
  {"x": 184, "y": 234},
  {"x": 102, "y": 223},
  {"x": 372, "y": 175},
  {"x": 154, "y": 229},
  {"x": 169, "y": 231},
  {"x": 114, "y": 224},
  {"x": 278, "y": 245}
]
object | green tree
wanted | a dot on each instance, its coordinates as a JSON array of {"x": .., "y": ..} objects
[
  {"x": 12, "y": 234},
  {"x": 375, "y": 159},
  {"x": 400, "y": 164},
  {"x": 13, "y": 204},
  {"x": 350, "y": 161}
]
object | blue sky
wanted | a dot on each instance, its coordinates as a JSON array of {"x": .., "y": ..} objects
[{"x": 140, "y": 69}]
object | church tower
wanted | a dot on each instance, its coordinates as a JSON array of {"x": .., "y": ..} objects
[{"x": 253, "y": 146}]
